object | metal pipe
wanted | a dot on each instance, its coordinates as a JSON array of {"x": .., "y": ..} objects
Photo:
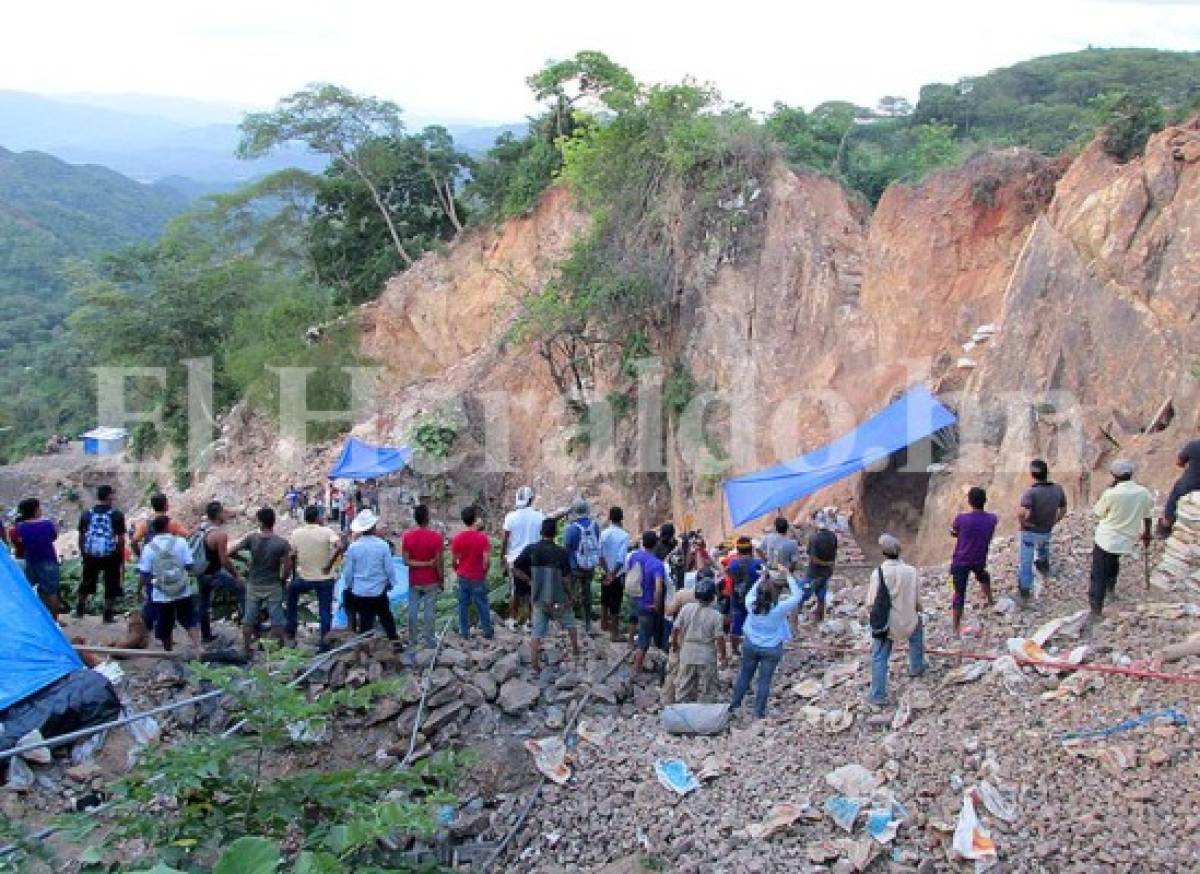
[{"x": 412, "y": 741}]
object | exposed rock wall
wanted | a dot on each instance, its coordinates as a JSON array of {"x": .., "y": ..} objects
[{"x": 1089, "y": 269}]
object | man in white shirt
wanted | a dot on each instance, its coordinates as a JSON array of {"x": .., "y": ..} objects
[
  {"x": 165, "y": 567},
  {"x": 1124, "y": 511},
  {"x": 522, "y": 527}
]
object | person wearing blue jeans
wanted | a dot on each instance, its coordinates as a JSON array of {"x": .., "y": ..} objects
[
  {"x": 299, "y": 586},
  {"x": 474, "y": 592},
  {"x": 765, "y": 631},
  {"x": 1043, "y": 505},
  {"x": 894, "y": 599},
  {"x": 1034, "y": 550},
  {"x": 470, "y": 550}
]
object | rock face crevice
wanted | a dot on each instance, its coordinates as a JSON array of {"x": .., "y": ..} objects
[{"x": 1087, "y": 269}]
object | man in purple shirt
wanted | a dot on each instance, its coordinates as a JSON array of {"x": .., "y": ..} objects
[
  {"x": 649, "y": 608},
  {"x": 974, "y": 531}
]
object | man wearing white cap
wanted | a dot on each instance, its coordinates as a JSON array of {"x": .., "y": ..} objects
[
  {"x": 522, "y": 528},
  {"x": 1123, "y": 511},
  {"x": 370, "y": 572}
]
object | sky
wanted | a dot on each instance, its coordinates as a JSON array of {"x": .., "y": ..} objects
[{"x": 468, "y": 60}]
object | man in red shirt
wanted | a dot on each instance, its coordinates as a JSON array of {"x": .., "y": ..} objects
[
  {"x": 471, "y": 550},
  {"x": 422, "y": 549}
]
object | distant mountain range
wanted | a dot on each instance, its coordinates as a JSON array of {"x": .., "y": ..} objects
[
  {"x": 150, "y": 139},
  {"x": 51, "y": 210}
]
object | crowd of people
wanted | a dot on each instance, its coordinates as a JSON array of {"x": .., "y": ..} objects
[{"x": 657, "y": 589}]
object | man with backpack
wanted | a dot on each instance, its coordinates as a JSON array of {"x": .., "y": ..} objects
[
  {"x": 102, "y": 549},
  {"x": 894, "y": 601},
  {"x": 745, "y": 571},
  {"x": 141, "y": 537},
  {"x": 165, "y": 571},
  {"x": 582, "y": 542}
]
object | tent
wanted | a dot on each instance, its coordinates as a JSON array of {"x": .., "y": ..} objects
[
  {"x": 363, "y": 461},
  {"x": 913, "y": 417},
  {"x": 33, "y": 651}
]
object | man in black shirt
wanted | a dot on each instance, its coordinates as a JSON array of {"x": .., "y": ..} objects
[
  {"x": 1188, "y": 482},
  {"x": 822, "y": 555},
  {"x": 102, "y": 549},
  {"x": 544, "y": 566},
  {"x": 1042, "y": 507}
]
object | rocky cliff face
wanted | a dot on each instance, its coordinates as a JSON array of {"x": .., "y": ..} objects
[
  {"x": 1088, "y": 271},
  {"x": 1098, "y": 332}
]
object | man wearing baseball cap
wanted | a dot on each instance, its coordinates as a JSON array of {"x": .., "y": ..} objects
[{"x": 1125, "y": 509}]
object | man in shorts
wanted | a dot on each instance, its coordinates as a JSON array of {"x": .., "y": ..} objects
[
  {"x": 544, "y": 566},
  {"x": 265, "y": 579}
]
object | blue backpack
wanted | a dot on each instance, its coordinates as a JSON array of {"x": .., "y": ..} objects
[
  {"x": 587, "y": 552},
  {"x": 99, "y": 540}
]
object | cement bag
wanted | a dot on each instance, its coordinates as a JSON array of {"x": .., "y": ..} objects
[{"x": 695, "y": 718}]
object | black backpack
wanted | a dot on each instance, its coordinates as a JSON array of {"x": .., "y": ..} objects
[{"x": 881, "y": 609}]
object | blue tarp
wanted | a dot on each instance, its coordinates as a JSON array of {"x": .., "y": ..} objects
[
  {"x": 33, "y": 651},
  {"x": 363, "y": 461},
  {"x": 912, "y": 418}
]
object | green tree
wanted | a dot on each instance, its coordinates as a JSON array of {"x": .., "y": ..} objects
[
  {"x": 586, "y": 75},
  {"x": 1131, "y": 120},
  {"x": 893, "y": 106},
  {"x": 415, "y": 176},
  {"x": 333, "y": 121}
]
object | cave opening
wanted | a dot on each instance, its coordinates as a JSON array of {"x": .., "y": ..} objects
[{"x": 893, "y": 497}]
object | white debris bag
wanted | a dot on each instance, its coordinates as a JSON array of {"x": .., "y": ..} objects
[
  {"x": 550, "y": 755},
  {"x": 695, "y": 718},
  {"x": 971, "y": 840},
  {"x": 853, "y": 780}
]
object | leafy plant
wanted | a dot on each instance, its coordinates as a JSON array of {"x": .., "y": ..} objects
[
  {"x": 435, "y": 436},
  {"x": 210, "y": 802}
]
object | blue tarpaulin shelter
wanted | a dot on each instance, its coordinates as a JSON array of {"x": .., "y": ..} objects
[
  {"x": 913, "y": 417},
  {"x": 33, "y": 651},
  {"x": 363, "y": 461}
]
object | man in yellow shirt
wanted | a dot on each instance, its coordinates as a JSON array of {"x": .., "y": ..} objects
[
  {"x": 1124, "y": 510},
  {"x": 310, "y": 567}
]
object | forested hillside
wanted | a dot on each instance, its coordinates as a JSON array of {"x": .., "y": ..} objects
[
  {"x": 51, "y": 213},
  {"x": 247, "y": 273}
]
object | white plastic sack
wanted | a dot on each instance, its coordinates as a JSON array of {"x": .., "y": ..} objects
[
  {"x": 853, "y": 780},
  {"x": 694, "y": 718},
  {"x": 971, "y": 840}
]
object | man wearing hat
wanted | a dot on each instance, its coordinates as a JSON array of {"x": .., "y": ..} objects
[
  {"x": 894, "y": 599},
  {"x": 1123, "y": 511},
  {"x": 370, "y": 572},
  {"x": 581, "y": 539}
]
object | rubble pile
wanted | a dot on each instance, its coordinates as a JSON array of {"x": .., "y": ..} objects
[
  {"x": 977, "y": 751},
  {"x": 1180, "y": 564},
  {"x": 987, "y": 761}
]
